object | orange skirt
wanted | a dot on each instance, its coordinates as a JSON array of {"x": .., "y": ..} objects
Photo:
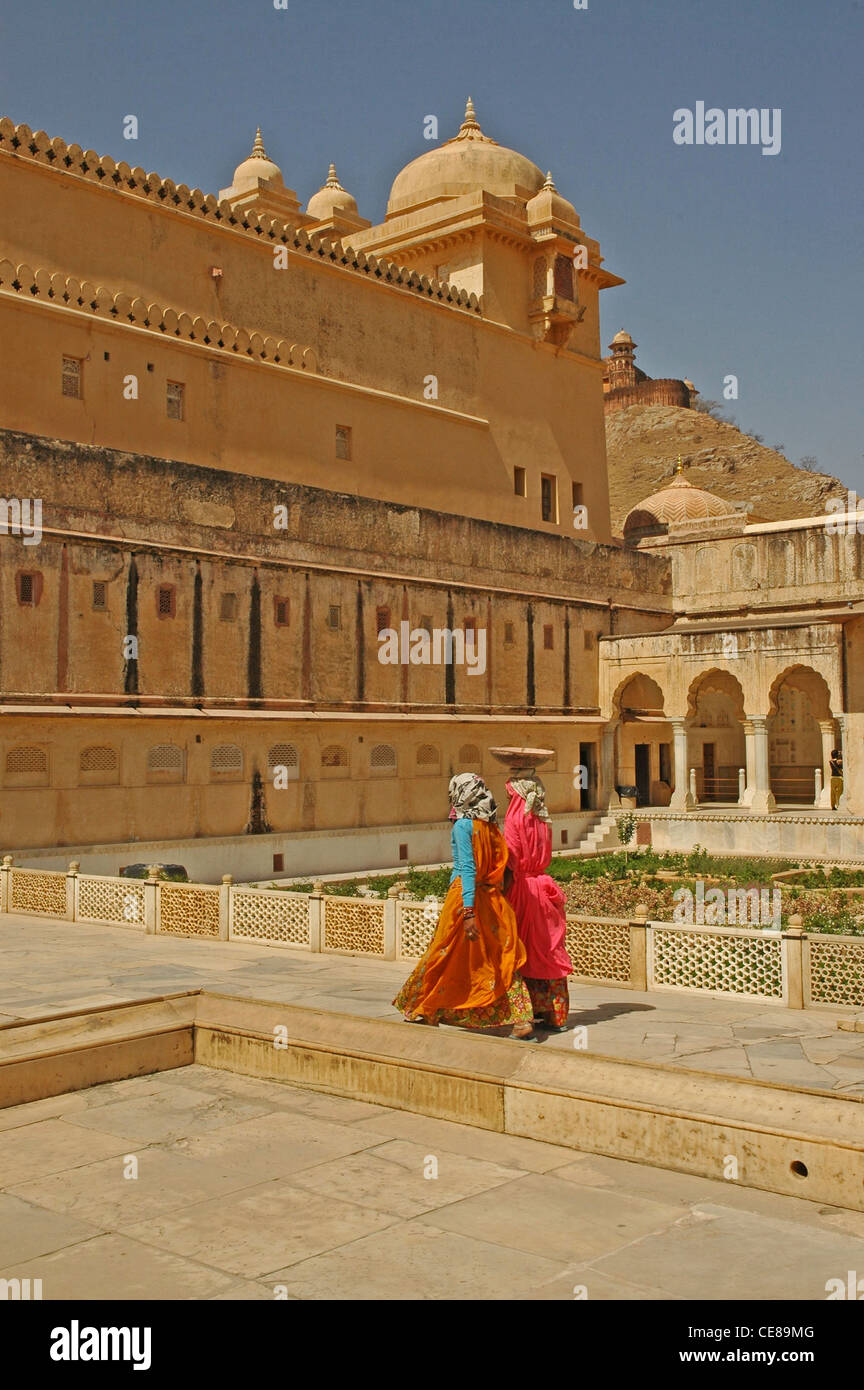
[{"x": 456, "y": 974}]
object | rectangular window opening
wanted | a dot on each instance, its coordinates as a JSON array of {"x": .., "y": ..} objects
[
  {"x": 175, "y": 391},
  {"x": 520, "y": 485},
  {"x": 100, "y": 594},
  {"x": 548, "y": 498},
  {"x": 343, "y": 442}
]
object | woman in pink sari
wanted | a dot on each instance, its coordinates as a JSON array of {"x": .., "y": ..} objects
[{"x": 538, "y": 903}]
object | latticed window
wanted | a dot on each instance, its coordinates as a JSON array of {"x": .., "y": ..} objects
[
  {"x": 509, "y": 635},
  {"x": 98, "y": 758},
  {"x": 548, "y": 637},
  {"x": 382, "y": 619},
  {"x": 72, "y": 374},
  {"x": 228, "y": 608},
  {"x": 564, "y": 277},
  {"x": 539, "y": 277},
  {"x": 175, "y": 392},
  {"x": 284, "y": 755},
  {"x": 165, "y": 759},
  {"x": 27, "y": 759},
  {"x": 383, "y": 758},
  {"x": 29, "y": 586},
  {"x": 428, "y": 755},
  {"x": 469, "y": 756},
  {"x": 226, "y": 757},
  {"x": 343, "y": 441},
  {"x": 100, "y": 594},
  {"x": 165, "y": 601},
  {"x": 334, "y": 756},
  {"x": 588, "y": 641},
  {"x": 334, "y": 616}
]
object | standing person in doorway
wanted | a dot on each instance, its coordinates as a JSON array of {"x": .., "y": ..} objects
[
  {"x": 470, "y": 972},
  {"x": 836, "y": 777},
  {"x": 538, "y": 903}
]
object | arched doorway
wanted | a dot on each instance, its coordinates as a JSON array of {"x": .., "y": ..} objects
[
  {"x": 801, "y": 736},
  {"x": 644, "y": 753},
  {"x": 715, "y": 736}
]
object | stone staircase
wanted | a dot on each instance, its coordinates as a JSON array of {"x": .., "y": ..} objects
[{"x": 602, "y": 836}]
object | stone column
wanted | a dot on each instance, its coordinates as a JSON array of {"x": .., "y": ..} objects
[
  {"x": 682, "y": 800},
  {"x": 607, "y": 768},
  {"x": 745, "y": 798},
  {"x": 225, "y": 905},
  {"x": 842, "y": 804},
  {"x": 763, "y": 797},
  {"x": 826, "y": 729}
]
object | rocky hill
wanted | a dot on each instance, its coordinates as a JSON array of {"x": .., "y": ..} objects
[{"x": 643, "y": 443}]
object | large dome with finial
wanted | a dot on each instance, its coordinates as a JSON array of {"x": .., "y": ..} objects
[
  {"x": 679, "y": 501},
  {"x": 468, "y": 162}
]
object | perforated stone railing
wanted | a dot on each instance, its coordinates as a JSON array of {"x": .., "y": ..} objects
[
  {"x": 99, "y": 899},
  {"x": 599, "y": 948},
  {"x": 188, "y": 909},
  {"x": 732, "y": 960},
  {"x": 835, "y": 970},
  {"x": 35, "y": 890},
  {"x": 260, "y": 914},
  {"x": 786, "y": 967},
  {"x": 350, "y": 924}
]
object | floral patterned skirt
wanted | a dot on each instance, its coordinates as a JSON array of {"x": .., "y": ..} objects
[
  {"x": 513, "y": 1007},
  {"x": 550, "y": 999}
]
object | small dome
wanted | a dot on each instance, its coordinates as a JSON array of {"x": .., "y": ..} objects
[
  {"x": 469, "y": 162},
  {"x": 330, "y": 199},
  {"x": 679, "y": 501},
  {"x": 257, "y": 166},
  {"x": 549, "y": 199},
  {"x": 622, "y": 336}
]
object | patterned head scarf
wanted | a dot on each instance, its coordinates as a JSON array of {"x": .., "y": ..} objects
[
  {"x": 533, "y": 792},
  {"x": 471, "y": 798}
]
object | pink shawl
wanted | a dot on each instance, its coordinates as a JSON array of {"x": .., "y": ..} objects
[{"x": 535, "y": 897}]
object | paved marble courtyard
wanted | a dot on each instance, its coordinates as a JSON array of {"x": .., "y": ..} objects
[
  {"x": 250, "y": 1189},
  {"x": 48, "y": 966}
]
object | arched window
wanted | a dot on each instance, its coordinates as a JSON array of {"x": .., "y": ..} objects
[
  {"x": 382, "y": 759},
  {"x": 227, "y": 759},
  {"x": 428, "y": 757},
  {"x": 334, "y": 761},
  {"x": 98, "y": 763},
  {"x": 27, "y": 766},
  {"x": 164, "y": 763},
  {"x": 284, "y": 755},
  {"x": 469, "y": 758}
]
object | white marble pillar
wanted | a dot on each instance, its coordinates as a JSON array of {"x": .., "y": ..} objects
[
  {"x": 682, "y": 799},
  {"x": 763, "y": 797},
  {"x": 745, "y": 798}
]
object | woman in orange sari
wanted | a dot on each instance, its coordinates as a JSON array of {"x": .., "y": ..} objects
[{"x": 469, "y": 974}]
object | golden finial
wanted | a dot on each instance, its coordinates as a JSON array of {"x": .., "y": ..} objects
[
  {"x": 258, "y": 150},
  {"x": 470, "y": 127},
  {"x": 333, "y": 179},
  {"x": 679, "y": 471},
  {"x": 549, "y": 185}
]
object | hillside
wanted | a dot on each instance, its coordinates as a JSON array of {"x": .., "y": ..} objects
[{"x": 643, "y": 443}]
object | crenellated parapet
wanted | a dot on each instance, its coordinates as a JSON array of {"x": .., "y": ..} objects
[
  {"x": 85, "y": 297},
  {"x": 21, "y": 142}
]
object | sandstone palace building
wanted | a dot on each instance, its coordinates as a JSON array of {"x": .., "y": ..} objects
[{"x": 259, "y": 435}]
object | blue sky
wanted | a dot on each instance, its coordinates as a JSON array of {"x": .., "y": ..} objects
[{"x": 735, "y": 262}]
